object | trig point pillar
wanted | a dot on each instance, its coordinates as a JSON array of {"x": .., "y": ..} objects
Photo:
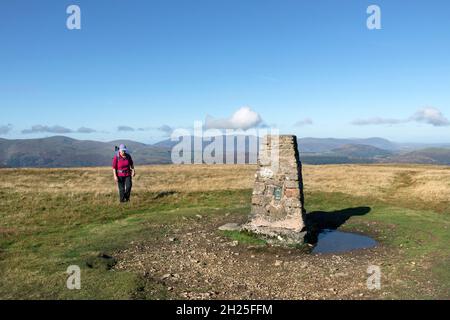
[{"x": 277, "y": 200}]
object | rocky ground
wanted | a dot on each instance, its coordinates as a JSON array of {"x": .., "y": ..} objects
[{"x": 196, "y": 261}]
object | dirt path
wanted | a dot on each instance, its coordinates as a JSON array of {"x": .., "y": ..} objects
[{"x": 196, "y": 261}]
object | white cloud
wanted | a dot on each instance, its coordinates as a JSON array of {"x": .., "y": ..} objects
[
  {"x": 244, "y": 118},
  {"x": 125, "y": 129},
  {"x": 86, "y": 130},
  {"x": 56, "y": 129},
  {"x": 5, "y": 129},
  {"x": 304, "y": 122},
  {"x": 46, "y": 129},
  {"x": 166, "y": 129},
  {"x": 376, "y": 121},
  {"x": 428, "y": 115},
  {"x": 431, "y": 116}
]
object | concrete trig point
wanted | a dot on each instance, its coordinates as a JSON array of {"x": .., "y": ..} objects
[{"x": 277, "y": 200}]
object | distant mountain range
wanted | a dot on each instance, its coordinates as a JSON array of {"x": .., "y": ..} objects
[
  {"x": 62, "y": 151},
  {"x": 428, "y": 156},
  {"x": 329, "y": 144},
  {"x": 66, "y": 152}
]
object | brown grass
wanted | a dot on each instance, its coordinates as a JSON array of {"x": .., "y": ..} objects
[
  {"x": 148, "y": 178},
  {"x": 416, "y": 182}
]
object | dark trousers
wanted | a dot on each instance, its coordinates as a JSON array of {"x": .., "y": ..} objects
[{"x": 125, "y": 184}]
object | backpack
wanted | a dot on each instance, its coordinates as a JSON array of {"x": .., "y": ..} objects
[{"x": 117, "y": 155}]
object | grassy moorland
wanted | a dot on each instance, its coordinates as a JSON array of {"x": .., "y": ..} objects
[{"x": 166, "y": 243}]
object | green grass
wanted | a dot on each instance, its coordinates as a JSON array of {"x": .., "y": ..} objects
[
  {"x": 421, "y": 234},
  {"x": 244, "y": 238},
  {"x": 43, "y": 234},
  {"x": 45, "y": 242}
]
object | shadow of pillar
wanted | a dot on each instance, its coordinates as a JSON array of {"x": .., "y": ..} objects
[{"x": 318, "y": 221}]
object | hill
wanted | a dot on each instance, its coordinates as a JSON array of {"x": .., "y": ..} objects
[
  {"x": 321, "y": 144},
  {"x": 361, "y": 151},
  {"x": 348, "y": 153},
  {"x": 59, "y": 151},
  {"x": 426, "y": 156},
  {"x": 329, "y": 144}
]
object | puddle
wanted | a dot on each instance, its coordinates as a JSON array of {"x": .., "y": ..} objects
[{"x": 333, "y": 241}]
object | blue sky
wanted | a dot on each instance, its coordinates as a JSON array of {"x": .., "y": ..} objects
[{"x": 148, "y": 64}]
